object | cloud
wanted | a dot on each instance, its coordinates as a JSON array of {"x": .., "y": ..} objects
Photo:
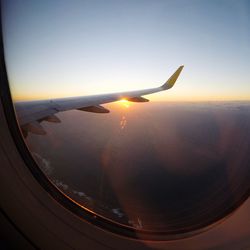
[
  {"x": 117, "y": 211},
  {"x": 61, "y": 185},
  {"x": 82, "y": 194},
  {"x": 43, "y": 163}
]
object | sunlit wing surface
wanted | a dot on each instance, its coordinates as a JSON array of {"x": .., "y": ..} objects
[{"x": 31, "y": 113}]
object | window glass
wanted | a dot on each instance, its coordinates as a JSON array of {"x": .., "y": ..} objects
[{"x": 175, "y": 164}]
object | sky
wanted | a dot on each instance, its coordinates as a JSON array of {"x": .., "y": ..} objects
[{"x": 71, "y": 48}]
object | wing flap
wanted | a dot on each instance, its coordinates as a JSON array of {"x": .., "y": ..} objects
[
  {"x": 34, "y": 128},
  {"x": 138, "y": 99},
  {"x": 51, "y": 118},
  {"x": 95, "y": 109}
]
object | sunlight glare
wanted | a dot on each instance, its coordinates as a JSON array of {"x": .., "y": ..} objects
[{"x": 125, "y": 103}]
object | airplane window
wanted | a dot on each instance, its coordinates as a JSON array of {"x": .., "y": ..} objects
[{"x": 168, "y": 167}]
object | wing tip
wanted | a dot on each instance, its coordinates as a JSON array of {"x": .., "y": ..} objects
[{"x": 171, "y": 81}]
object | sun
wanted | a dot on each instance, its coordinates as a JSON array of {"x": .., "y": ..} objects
[{"x": 125, "y": 103}]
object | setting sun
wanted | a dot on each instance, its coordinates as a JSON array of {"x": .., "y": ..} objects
[{"x": 125, "y": 103}]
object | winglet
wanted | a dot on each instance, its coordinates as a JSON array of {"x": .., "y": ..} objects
[{"x": 171, "y": 81}]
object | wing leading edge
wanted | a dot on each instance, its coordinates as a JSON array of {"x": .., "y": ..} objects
[{"x": 31, "y": 113}]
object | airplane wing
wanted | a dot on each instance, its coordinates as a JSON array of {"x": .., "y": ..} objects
[{"x": 31, "y": 113}]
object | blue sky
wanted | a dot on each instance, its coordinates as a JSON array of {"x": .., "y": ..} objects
[{"x": 67, "y": 48}]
